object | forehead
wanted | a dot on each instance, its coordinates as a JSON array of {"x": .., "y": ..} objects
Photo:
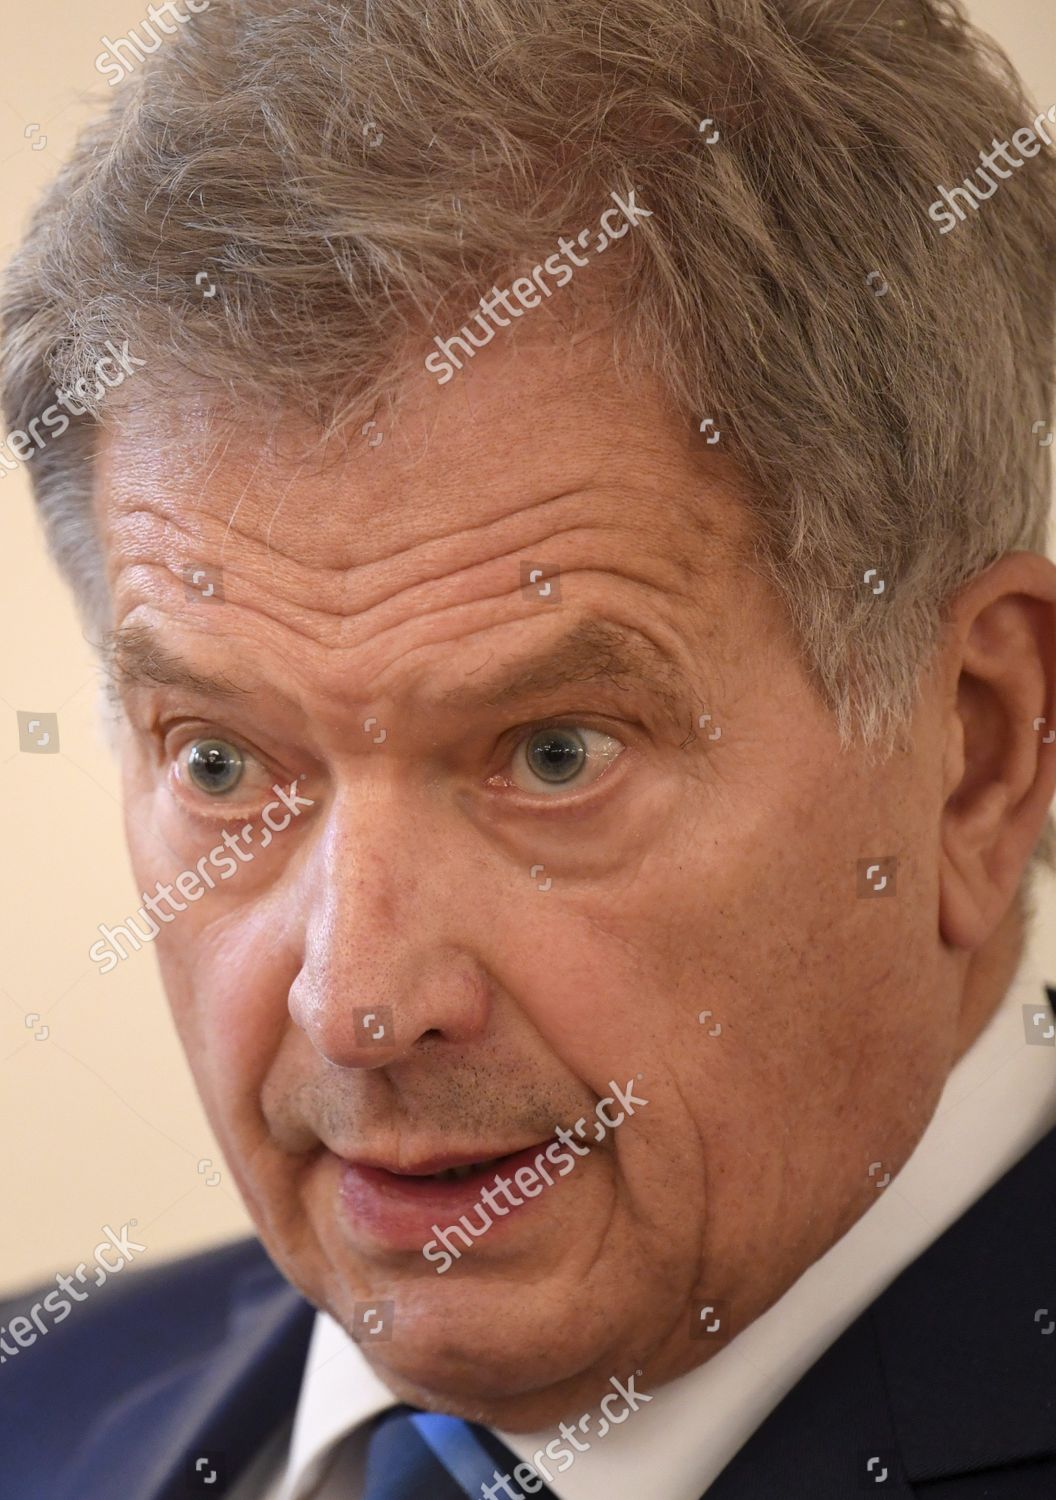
[{"x": 521, "y": 428}]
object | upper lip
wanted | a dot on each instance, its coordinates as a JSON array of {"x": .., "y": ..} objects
[{"x": 425, "y": 1166}]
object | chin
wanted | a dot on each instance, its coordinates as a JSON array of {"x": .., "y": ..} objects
[
  {"x": 497, "y": 1393},
  {"x": 465, "y": 1355}
]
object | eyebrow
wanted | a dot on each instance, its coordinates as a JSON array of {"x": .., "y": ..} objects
[
  {"x": 594, "y": 650},
  {"x": 136, "y": 655}
]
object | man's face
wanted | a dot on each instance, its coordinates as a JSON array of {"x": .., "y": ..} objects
[{"x": 515, "y": 887}]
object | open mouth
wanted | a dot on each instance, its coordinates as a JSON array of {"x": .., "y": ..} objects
[
  {"x": 473, "y": 1169},
  {"x": 482, "y": 1168},
  {"x": 451, "y": 1172},
  {"x": 399, "y": 1207}
]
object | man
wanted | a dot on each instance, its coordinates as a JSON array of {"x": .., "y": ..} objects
[{"x": 625, "y": 1036}]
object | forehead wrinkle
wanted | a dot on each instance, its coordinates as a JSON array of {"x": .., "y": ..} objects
[
  {"x": 165, "y": 515},
  {"x": 437, "y": 538},
  {"x": 245, "y": 490},
  {"x": 271, "y": 524}
]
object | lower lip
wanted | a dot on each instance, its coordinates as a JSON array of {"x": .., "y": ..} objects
[{"x": 404, "y": 1213}]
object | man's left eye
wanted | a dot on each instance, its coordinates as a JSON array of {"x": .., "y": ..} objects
[
  {"x": 556, "y": 757},
  {"x": 213, "y": 766}
]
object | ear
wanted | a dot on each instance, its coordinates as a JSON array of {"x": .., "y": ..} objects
[{"x": 1000, "y": 774}]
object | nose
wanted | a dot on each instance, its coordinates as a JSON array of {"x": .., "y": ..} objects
[{"x": 385, "y": 957}]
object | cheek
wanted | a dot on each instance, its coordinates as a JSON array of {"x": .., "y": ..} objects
[
  {"x": 227, "y": 985},
  {"x": 778, "y": 1015},
  {"x": 601, "y": 989},
  {"x": 588, "y": 982},
  {"x": 218, "y": 955},
  {"x": 827, "y": 1039}
]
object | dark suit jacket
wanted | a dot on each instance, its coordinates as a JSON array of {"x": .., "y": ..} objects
[{"x": 947, "y": 1382}]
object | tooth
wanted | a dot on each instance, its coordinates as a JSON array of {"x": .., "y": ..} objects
[
  {"x": 453, "y": 1174},
  {"x": 457, "y": 1174}
]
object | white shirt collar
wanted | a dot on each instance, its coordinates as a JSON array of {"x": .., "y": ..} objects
[
  {"x": 339, "y": 1392},
  {"x": 999, "y": 1100}
]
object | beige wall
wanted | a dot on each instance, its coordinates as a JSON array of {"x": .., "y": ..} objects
[{"x": 99, "y": 1119}]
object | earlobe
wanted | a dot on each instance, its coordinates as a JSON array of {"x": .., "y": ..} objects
[
  {"x": 974, "y": 793},
  {"x": 958, "y": 912},
  {"x": 972, "y": 894}
]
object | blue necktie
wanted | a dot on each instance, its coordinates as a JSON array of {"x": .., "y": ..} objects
[{"x": 423, "y": 1455}]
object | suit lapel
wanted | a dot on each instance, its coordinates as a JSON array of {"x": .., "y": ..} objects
[
  {"x": 831, "y": 1438},
  {"x": 223, "y": 1404},
  {"x": 971, "y": 1372},
  {"x": 970, "y": 1367}
]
